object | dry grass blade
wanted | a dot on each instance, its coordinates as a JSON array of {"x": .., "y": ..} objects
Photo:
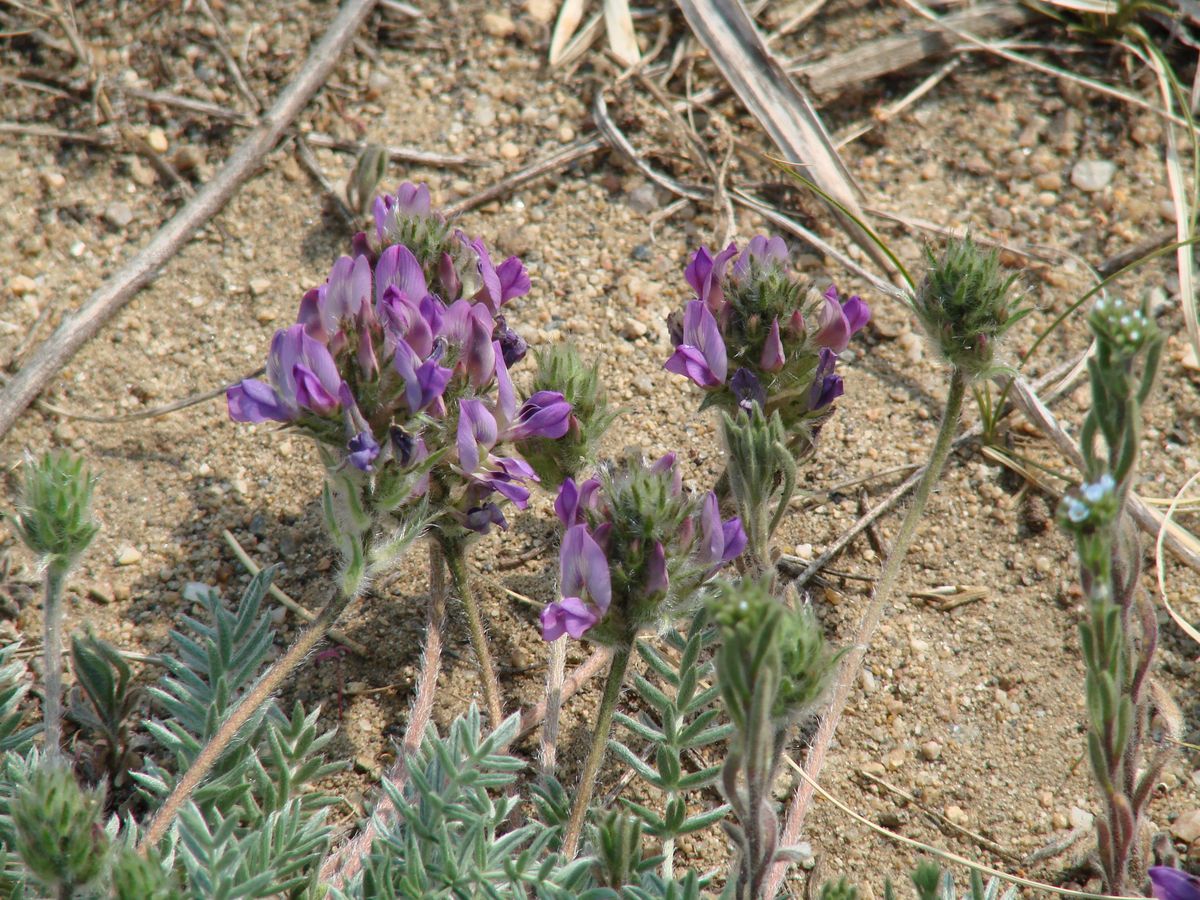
[
  {"x": 1185, "y": 259},
  {"x": 1160, "y": 569},
  {"x": 622, "y": 39},
  {"x": 891, "y": 54},
  {"x": 569, "y": 17},
  {"x": 728, "y": 34}
]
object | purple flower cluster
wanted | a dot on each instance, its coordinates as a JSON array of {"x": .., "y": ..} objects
[
  {"x": 751, "y": 337},
  {"x": 622, "y": 567},
  {"x": 401, "y": 340}
]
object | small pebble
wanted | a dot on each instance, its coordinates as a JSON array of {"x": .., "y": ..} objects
[
  {"x": 187, "y": 159},
  {"x": 1187, "y": 827},
  {"x": 128, "y": 556},
  {"x": 498, "y": 24},
  {"x": 101, "y": 593},
  {"x": 542, "y": 11},
  {"x": 54, "y": 181},
  {"x": 874, "y": 769},
  {"x": 1046, "y": 800},
  {"x": 956, "y": 815},
  {"x": 931, "y": 750},
  {"x": 895, "y": 759},
  {"x": 912, "y": 345},
  {"x": 633, "y": 329},
  {"x": 509, "y": 150},
  {"x": 20, "y": 285},
  {"x": 643, "y": 198},
  {"x": 118, "y": 214},
  {"x": 259, "y": 286},
  {"x": 566, "y": 133},
  {"x": 1091, "y": 175},
  {"x": 157, "y": 139}
]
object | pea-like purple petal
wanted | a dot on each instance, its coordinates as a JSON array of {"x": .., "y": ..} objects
[
  {"x": 398, "y": 266},
  {"x": 857, "y": 313},
  {"x": 772, "y": 353},
  {"x": 657, "y": 580},
  {"x": 833, "y": 330},
  {"x": 573, "y": 499},
  {"x": 252, "y": 400},
  {"x": 584, "y": 568},
  {"x": 735, "y": 539},
  {"x": 704, "y": 274},
  {"x": 311, "y": 393},
  {"x": 1173, "y": 884},
  {"x": 476, "y": 433},
  {"x": 702, "y": 356},
  {"x": 570, "y": 615},
  {"x": 545, "y": 414},
  {"x": 363, "y": 449}
]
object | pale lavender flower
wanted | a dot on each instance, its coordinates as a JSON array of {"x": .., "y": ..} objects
[
  {"x": 827, "y": 385},
  {"x": 573, "y": 499},
  {"x": 498, "y": 284},
  {"x": 302, "y": 376},
  {"x": 773, "y": 356},
  {"x": 718, "y": 542},
  {"x": 424, "y": 380},
  {"x": 763, "y": 251},
  {"x": 701, "y": 356},
  {"x": 838, "y": 321},
  {"x": 410, "y": 200}
]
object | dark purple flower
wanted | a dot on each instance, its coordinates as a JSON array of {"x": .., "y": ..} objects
[
  {"x": 1174, "y": 884},
  {"x": 773, "y": 357},
  {"x": 481, "y": 518},
  {"x": 747, "y": 389},
  {"x": 761, "y": 250},
  {"x": 573, "y": 499},
  {"x": 546, "y": 414},
  {"x": 584, "y": 583},
  {"x": 827, "y": 385},
  {"x": 704, "y": 274},
  {"x": 701, "y": 357},
  {"x": 363, "y": 449},
  {"x": 512, "y": 346}
]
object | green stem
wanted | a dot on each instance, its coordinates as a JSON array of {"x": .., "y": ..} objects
[
  {"x": 267, "y": 685},
  {"x": 52, "y": 673},
  {"x": 587, "y": 781},
  {"x": 456, "y": 561},
  {"x": 871, "y": 618}
]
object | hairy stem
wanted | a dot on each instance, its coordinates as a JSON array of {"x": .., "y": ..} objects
[
  {"x": 52, "y": 616},
  {"x": 591, "y": 768},
  {"x": 555, "y": 673},
  {"x": 254, "y": 698},
  {"x": 457, "y": 563},
  {"x": 848, "y": 672}
]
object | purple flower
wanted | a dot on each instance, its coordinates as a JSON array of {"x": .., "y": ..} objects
[
  {"x": 584, "y": 574},
  {"x": 1174, "y": 884},
  {"x": 704, "y": 274},
  {"x": 573, "y": 499},
  {"x": 403, "y": 320},
  {"x": 344, "y": 296},
  {"x": 252, "y": 400},
  {"x": 478, "y": 433},
  {"x": 761, "y": 250},
  {"x": 302, "y": 375},
  {"x": 838, "y": 322},
  {"x": 481, "y": 518},
  {"x": 498, "y": 284},
  {"x": 546, "y": 414},
  {"x": 772, "y": 353},
  {"x": 657, "y": 580},
  {"x": 718, "y": 542},
  {"x": 410, "y": 201},
  {"x": 567, "y": 616},
  {"x": 398, "y": 266},
  {"x": 701, "y": 357},
  {"x": 512, "y": 346},
  {"x": 827, "y": 386},
  {"x": 424, "y": 382},
  {"x": 747, "y": 389},
  {"x": 363, "y": 449}
]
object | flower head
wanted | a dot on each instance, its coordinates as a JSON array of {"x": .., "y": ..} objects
[
  {"x": 636, "y": 550},
  {"x": 751, "y": 318},
  {"x": 1174, "y": 884}
]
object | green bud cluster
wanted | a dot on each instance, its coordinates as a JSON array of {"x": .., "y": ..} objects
[
  {"x": 54, "y": 514},
  {"x": 965, "y": 304},
  {"x": 762, "y": 476},
  {"x": 1125, "y": 328},
  {"x": 58, "y": 831}
]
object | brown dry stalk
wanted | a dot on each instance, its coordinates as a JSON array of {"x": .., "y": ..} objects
[{"x": 114, "y": 293}]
